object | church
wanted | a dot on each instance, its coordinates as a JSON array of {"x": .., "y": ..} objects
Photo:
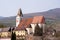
[{"x": 27, "y": 26}]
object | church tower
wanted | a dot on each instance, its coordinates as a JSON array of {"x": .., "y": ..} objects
[{"x": 19, "y": 17}]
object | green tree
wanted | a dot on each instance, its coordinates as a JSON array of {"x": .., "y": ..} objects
[
  {"x": 38, "y": 31},
  {"x": 2, "y": 26},
  {"x": 13, "y": 36}
]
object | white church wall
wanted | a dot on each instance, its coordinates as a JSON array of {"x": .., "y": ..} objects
[
  {"x": 29, "y": 30},
  {"x": 40, "y": 25},
  {"x": 33, "y": 27},
  {"x": 17, "y": 20},
  {"x": 43, "y": 28}
]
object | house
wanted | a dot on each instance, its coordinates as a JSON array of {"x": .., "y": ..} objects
[{"x": 27, "y": 26}]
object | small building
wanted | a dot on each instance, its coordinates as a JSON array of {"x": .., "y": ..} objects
[
  {"x": 28, "y": 25},
  {"x": 24, "y": 26}
]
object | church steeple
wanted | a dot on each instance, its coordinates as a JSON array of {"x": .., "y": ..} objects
[
  {"x": 19, "y": 17},
  {"x": 20, "y": 13}
]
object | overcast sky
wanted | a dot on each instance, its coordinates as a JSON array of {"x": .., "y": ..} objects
[{"x": 10, "y": 7}]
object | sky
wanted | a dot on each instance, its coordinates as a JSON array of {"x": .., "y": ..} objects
[{"x": 11, "y": 7}]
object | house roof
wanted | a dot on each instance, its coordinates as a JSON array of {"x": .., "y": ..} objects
[
  {"x": 26, "y": 22},
  {"x": 38, "y": 19}
]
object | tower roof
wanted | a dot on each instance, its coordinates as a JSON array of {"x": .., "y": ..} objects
[{"x": 20, "y": 12}]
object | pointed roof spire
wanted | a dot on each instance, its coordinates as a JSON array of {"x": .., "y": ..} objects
[{"x": 20, "y": 12}]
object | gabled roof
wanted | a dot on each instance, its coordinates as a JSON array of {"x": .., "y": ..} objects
[
  {"x": 26, "y": 22},
  {"x": 38, "y": 19}
]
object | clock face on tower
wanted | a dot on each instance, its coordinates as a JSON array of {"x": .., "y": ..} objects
[{"x": 16, "y": 20}]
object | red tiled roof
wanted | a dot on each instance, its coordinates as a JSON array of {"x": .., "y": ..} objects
[
  {"x": 26, "y": 22},
  {"x": 38, "y": 19}
]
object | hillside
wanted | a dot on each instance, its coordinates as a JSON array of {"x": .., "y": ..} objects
[
  {"x": 52, "y": 15},
  {"x": 1, "y": 17}
]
